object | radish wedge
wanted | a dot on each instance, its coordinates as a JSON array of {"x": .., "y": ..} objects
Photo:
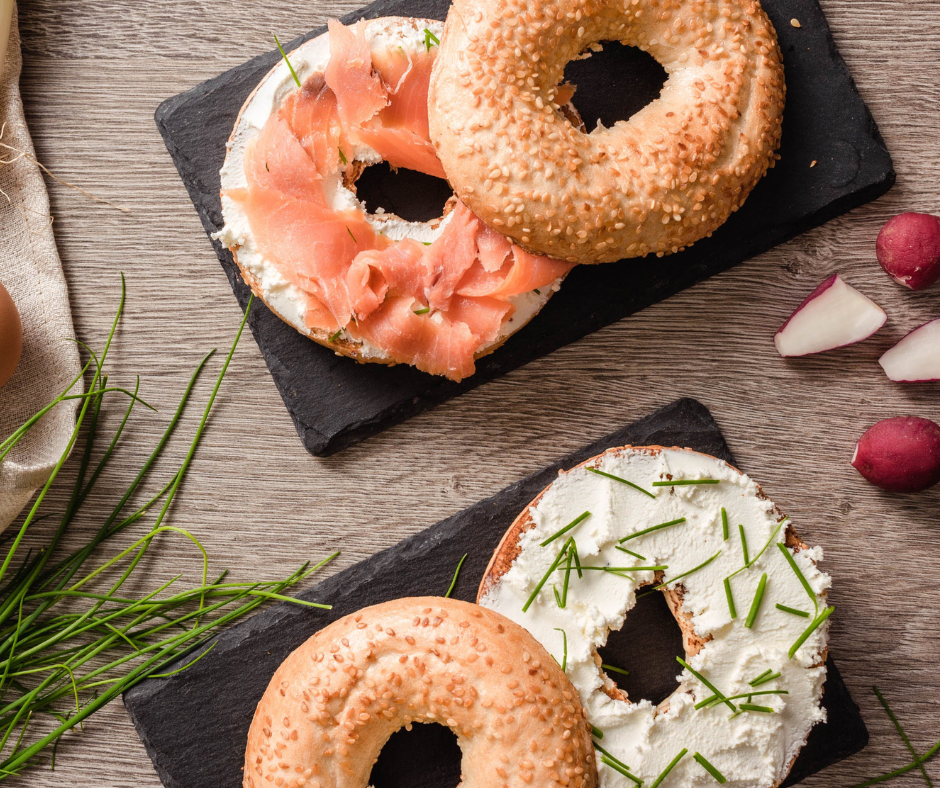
[
  {"x": 834, "y": 315},
  {"x": 916, "y": 357}
]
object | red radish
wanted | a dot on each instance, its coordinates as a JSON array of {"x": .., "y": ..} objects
[
  {"x": 900, "y": 454},
  {"x": 834, "y": 315},
  {"x": 916, "y": 357},
  {"x": 908, "y": 248}
]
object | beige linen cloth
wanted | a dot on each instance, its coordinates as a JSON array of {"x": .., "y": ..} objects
[{"x": 31, "y": 271}]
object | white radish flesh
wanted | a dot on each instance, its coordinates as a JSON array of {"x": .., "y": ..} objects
[
  {"x": 916, "y": 357},
  {"x": 834, "y": 315}
]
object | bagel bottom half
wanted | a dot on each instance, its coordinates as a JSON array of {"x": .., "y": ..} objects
[{"x": 335, "y": 701}]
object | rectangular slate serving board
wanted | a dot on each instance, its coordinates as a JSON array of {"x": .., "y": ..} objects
[
  {"x": 195, "y": 723},
  {"x": 335, "y": 402}
]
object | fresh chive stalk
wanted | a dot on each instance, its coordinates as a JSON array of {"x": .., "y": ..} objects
[
  {"x": 623, "y": 672},
  {"x": 711, "y": 700},
  {"x": 793, "y": 611},
  {"x": 707, "y": 683},
  {"x": 622, "y": 481},
  {"x": 755, "y": 605},
  {"x": 561, "y": 532},
  {"x": 701, "y": 760},
  {"x": 902, "y": 734},
  {"x": 694, "y": 569},
  {"x": 284, "y": 55},
  {"x": 724, "y": 525},
  {"x": 453, "y": 582},
  {"x": 810, "y": 630},
  {"x": 917, "y": 762},
  {"x": 430, "y": 39},
  {"x": 754, "y": 707},
  {"x": 564, "y": 643},
  {"x": 730, "y": 598},
  {"x": 672, "y": 765},
  {"x": 747, "y": 561},
  {"x": 651, "y": 529},
  {"x": 615, "y": 763},
  {"x": 684, "y": 482},
  {"x": 630, "y": 552},
  {"x": 767, "y": 544},
  {"x": 799, "y": 574}
]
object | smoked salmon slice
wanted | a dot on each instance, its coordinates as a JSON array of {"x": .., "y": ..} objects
[{"x": 432, "y": 305}]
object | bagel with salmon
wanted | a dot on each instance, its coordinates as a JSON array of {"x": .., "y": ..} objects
[
  {"x": 653, "y": 184},
  {"x": 335, "y": 701},
  {"x": 368, "y": 285}
]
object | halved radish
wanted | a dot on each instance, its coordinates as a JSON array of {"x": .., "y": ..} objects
[
  {"x": 834, "y": 315},
  {"x": 916, "y": 357}
]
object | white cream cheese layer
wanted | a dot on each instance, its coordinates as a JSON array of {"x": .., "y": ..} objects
[
  {"x": 308, "y": 59},
  {"x": 750, "y": 748}
]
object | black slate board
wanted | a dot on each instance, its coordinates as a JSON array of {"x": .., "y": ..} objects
[
  {"x": 195, "y": 724},
  {"x": 335, "y": 402}
]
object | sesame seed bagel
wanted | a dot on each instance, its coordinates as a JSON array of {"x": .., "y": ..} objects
[
  {"x": 656, "y": 183},
  {"x": 742, "y": 636},
  {"x": 334, "y": 702}
]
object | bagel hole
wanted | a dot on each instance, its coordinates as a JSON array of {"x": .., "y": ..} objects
[
  {"x": 410, "y": 195},
  {"x": 647, "y": 647},
  {"x": 427, "y": 756},
  {"x": 614, "y": 84}
]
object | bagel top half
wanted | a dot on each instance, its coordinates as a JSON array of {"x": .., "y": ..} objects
[{"x": 654, "y": 184}]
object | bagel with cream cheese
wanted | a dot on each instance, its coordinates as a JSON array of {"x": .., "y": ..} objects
[
  {"x": 654, "y": 184},
  {"x": 370, "y": 286},
  {"x": 745, "y": 592},
  {"x": 335, "y": 701}
]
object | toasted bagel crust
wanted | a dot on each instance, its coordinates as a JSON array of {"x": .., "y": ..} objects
[
  {"x": 667, "y": 177},
  {"x": 334, "y": 702}
]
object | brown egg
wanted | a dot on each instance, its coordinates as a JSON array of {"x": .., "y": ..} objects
[{"x": 11, "y": 336}]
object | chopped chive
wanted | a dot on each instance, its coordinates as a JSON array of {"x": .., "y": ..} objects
[
  {"x": 669, "y": 768},
  {"x": 351, "y": 235},
  {"x": 630, "y": 552},
  {"x": 564, "y": 589},
  {"x": 747, "y": 561},
  {"x": 903, "y": 770},
  {"x": 428, "y": 243},
  {"x": 548, "y": 574},
  {"x": 564, "y": 658},
  {"x": 752, "y": 707},
  {"x": 724, "y": 524},
  {"x": 617, "y": 767},
  {"x": 622, "y": 481},
  {"x": 768, "y": 675},
  {"x": 756, "y": 558},
  {"x": 731, "y": 608},
  {"x": 456, "y": 573},
  {"x": 342, "y": 156},
  {"x": 335, "y": 335},
  {"x": 900, "y": 730},
  {"x": 810, "y": 630},
  {"x": 537, "y": 291},
  {"x": 605, "y": 666},
  {"x": 686, "y": 574},
  {"x": 796, "y": 569},
  {"x": 577, "y": 560},
  {"x": 684, "y": 482},
  {"x": 625, "y": 568},
  {"x": 709, "y": 768},
  {"x": 712, "y": 700},
  {"x": 597, "y": 733},
  {"x": 422, "y": 311},
  {"x": 572, "y": 524},
  {"x": 558, "y": 599},
  {"x": 793, "y": 611},
  {"x": 651, "y": 529},
  {"x": 429, "y": 39},
  {"x": 755, "y": 605},
  {"x": 706, "y": 682},
  {"x": 284, "y": 55}
]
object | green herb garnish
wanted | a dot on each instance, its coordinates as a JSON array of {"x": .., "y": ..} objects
[
  {"x": 744, "y": 544},
  {"x": 684, "y": 482},
  {"x": 707, "y": 683},
  {"x": 799, "y": 575},
  {"x": 351, "y": 235},
  {"x": 284, "y": 55},
  {"x": 702, "y": 565},
  {"x": 630, "y": 552},
  {"x": 724, "y": 524},
  {"x": 456, "y": 573},
  {"x": 763, "y": 678},
  {"x": 335, "y": 335},
  {"x": 614, "y": 762},
  {"x": 713, "y": 699},
  {"x": 903, "y": 770},
  {"x": 422, "y": 311},
  {"x": 755, "y": 605},
  {"x": 572, "y": 524},
  {"x": 537, "y": 291},
  {"x": 756, "y": 558},
  {"x": 622, "y": 481},
  {"x": 730, "y": 597},
  {"x": 623, "y": 672},
  {"x": 564, "y": 659},
  {"x": 429, "y": 39},
  {"x": 558, "y": 559},
  {"x": 342, "y": 156},
  {"x": 793, "y": 611},
  {"x": 903, "y": 735},
  {"x": 651, "y": 529},
  {"x": 752, "y": 707},
  {"x": 669, "y": 768},
  {"x": 709, "y": 768},
  {"x": 810, "y": 630},
  {"x": 597, "y": 733}
]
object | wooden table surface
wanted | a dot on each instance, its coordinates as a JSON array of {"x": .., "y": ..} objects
[{"x": 94, "y": 73}]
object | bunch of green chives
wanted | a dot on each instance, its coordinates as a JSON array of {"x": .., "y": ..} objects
[{"x": 70, "y": 639}]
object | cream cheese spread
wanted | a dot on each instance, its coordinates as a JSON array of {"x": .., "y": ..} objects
[
  {"x": 752, "y": 745},
  {"x": 284, "y": 297}
]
